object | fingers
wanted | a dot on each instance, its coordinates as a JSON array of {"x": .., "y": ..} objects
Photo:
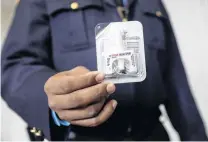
[
  {"x": 67, "y": 84},
  {"x": 78, "y": 96},
  {"x": 80, "y": 70},
  {"x": 81, "y": 98},
  {"x": 85, "y": 81},
  {"x": 74, "y": 72},
  {"x": 83, "y": 113},
  {"x": 102, "y": 117}
]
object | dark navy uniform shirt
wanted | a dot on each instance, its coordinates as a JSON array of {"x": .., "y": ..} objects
[{"x": 48, "y": 36}]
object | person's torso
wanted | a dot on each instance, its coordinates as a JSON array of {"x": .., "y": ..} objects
[{"x": 73, "y": 44}]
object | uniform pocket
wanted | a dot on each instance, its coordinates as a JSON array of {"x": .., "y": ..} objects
[
  {"x": 154, "y": 31},
  {"x": 67, "y": 21},
  {"x": 154, "y": 37}
]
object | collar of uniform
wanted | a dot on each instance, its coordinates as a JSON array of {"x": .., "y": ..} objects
[
  {"x": 146, "y": 6},
  {"x": 151, "y": 7}
]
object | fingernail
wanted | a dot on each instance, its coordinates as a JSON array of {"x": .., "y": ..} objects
[
  {"x": 114, "y": 104},
  {"x": 100, "y": 77},
  {"x": 111, "y": 88}
]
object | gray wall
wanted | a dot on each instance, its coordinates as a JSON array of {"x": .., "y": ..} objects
[
  {"x": 189, "y": 18},
  {"x": 6, "y": 12}
]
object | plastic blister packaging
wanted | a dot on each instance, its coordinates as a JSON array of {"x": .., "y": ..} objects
[{"x": 120, "y": 51}]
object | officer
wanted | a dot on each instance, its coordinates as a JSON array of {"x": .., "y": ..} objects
[{"x": 49, "y": 77}]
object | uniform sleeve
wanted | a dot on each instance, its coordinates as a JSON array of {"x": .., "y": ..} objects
[
  {"x": 180, "y": 105},
  {"x": 27, "y": 64}
]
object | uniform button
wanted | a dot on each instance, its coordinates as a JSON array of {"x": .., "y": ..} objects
[
  {"x": 74, "y": 5},
  {"x": 158, "y": 13}
]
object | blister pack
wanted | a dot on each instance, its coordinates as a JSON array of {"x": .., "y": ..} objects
[{"x": 120, "y": 51}]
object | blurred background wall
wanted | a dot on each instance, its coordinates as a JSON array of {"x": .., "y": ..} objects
[{"x": 190, "y": 22}]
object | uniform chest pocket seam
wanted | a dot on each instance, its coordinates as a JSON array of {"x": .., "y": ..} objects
[
  {"x": 68, "y": 30},
  {"x": 74, "y": 21}
]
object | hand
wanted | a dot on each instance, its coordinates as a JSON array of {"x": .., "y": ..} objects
[{"x": 79, "y": 95}]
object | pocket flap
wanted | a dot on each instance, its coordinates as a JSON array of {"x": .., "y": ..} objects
[{"x": 54, "y": 6}]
